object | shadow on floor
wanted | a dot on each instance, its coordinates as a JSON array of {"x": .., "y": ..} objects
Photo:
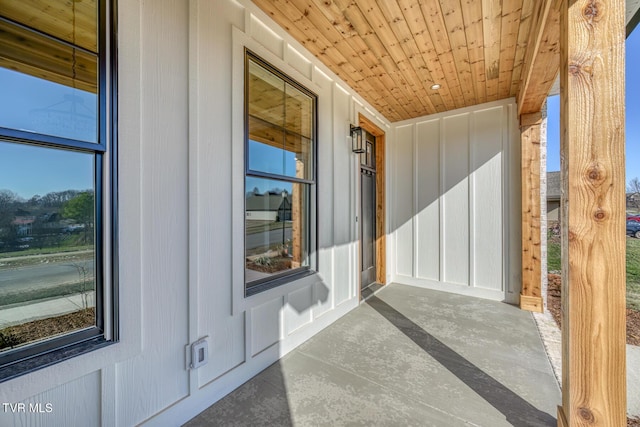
[
  {"x": 262, "y": 401},
  {"x": 517, "y": 411}
]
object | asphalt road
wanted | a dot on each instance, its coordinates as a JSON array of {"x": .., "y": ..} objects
[
  {"x": 273, "y": 237},
  {"x": 42, "y": 276}
]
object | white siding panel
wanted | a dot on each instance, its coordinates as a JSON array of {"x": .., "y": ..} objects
[
  {"x": 213, "y": 272},
  {"x": 297, "y": 61},
  {"x": 486, "y": 164},
  {"x": 342, "y": 196},
  {"x": 323, "y": 288},
  {"x": 268, "y": 38},
  {"x": 455, "y": 149},
  {"x": 466, "y": 188},
  {"x": 265, "y": 325},
  {"x": 342, "y": 275},
  {"x": 324, "y": 187},
  {"x": 164, "y": 174},
  {"x": 76, "y": 403},
  {"x": 297, "y": 311},
  {"x": 341, "y": 166},
  {"x": 428, "y": 203},
  {"x": 403, "y": 194}
]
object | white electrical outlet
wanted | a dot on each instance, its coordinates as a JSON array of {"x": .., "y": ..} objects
[{"x": 199, "y": 353}]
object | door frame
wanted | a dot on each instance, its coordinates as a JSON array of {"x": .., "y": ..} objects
[{"x": 380, "y": 217}]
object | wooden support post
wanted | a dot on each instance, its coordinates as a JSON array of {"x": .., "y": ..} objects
[
  {"x": 593, "y": 213},
  {"x": 298, "y": 233},
  {"x": 531, "y": 296}
]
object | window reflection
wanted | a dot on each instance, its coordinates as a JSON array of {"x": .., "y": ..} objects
[
  {"x": 47, "y": 244},
  {"x": 72, "y": 21},
  {"x": 276, "y": 228},
  {"x": 48, "y": 87},
  {"x": 280, "y": 126}
]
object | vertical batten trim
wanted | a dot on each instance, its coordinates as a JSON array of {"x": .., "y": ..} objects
[
  {"x": 194, "y": 169},
  {"x": 471, "y": 188},
  {"x": 416, "y": 185},
  {"x": 442, "y": 202},
  {"x": 505, "y": 191}
]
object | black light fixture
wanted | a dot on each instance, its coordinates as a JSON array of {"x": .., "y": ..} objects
[{"x": 357, "y": 139}]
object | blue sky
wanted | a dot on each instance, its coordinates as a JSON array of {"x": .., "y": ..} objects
[
  {"x": 632, "y": 115},
  {"x": 28, "y": 170},
  {"x": 38, "y": 105}
]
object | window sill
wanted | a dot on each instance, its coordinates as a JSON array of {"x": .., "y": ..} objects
[
  {"x": 44, "y": 360},
  {"x": 277, "y": 281}
]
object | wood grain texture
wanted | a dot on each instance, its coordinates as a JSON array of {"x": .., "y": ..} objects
[
  {"x": 36, "y": 55},
  {"x": 381, "y": 237},
  {"x": 593, "y": 212},
  {"x": 530, "y": 163},
  {"x": 72, "y": 21},
  {"x": 392, "y": 52},
  {"x": 534, "y": 304},
  {"x": 542, "y": 58}
]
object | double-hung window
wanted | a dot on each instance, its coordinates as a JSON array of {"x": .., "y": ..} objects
[
  {"x": 280, "y": 129},
  {"x": 57, "y": 182}
]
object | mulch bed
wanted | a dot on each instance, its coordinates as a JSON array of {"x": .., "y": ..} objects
[
  {"x": 40, "y": 329},
  {"x": 553, "y": 304},
  {"x": 554, "y": 307},
  {"x": 275, "y": 265}
]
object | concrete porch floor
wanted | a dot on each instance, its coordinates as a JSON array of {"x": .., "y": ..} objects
[{"x": 408, "y": 356}]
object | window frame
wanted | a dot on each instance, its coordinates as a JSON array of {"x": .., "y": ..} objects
[
  {"x": 41, "y": 354},
  {"x": 281, "y": 278}
]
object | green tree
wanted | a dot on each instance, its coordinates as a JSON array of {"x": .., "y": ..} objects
[
  {"x": 633, "y": 192},
  {"x": 81, "y": 209}
]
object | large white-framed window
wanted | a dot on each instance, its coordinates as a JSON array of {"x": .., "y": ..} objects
[
  {"x": 280, "y": 174},
  {"x": 57, "y": 183}
]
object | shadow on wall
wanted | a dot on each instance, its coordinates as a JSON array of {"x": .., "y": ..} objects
[{"x": 450, "y": 194}]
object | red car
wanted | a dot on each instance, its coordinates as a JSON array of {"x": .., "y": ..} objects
[{"x": 635, "y": 218}]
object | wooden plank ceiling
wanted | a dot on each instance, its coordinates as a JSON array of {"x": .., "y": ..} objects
[{"x": 392, "y": 51}]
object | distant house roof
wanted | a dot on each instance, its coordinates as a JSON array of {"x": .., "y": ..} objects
[
  {"x": 266, "y": 202},
  {"x": 23, "y": 220},
  {"x": 554, "y": 187}
]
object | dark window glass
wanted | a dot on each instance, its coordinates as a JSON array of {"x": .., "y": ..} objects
[
  {"x": 47, "y": 243},
  {"x": 55, "y": 152},
  {"x": 280, "y": 174},
  {"x": 280, "y": 125},
  {"x": 52, "y": 85},
  {"x": 276, "y": 228}
]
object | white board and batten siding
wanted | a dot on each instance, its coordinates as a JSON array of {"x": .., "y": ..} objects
[
  {"x": 181, "y": 202},
  {"x": 456, "y": 184}
]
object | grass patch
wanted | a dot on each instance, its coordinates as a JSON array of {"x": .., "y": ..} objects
[
  {"x": 45, "y": 251},
  {"x": 553, "y": 257},
  {"x": 633, "y": 268},
  {"x": 633, "y": 273}
]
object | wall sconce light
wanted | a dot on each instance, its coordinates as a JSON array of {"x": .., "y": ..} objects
[{"x": 356, "y": 139}]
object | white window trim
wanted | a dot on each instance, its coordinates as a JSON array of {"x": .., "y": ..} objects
[{"x": 240, "y": 303}]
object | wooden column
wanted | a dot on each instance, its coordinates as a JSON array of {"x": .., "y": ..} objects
[
  {"x": 531, "y": 296},
  {"x": 593, "y": 213},
  {"x": 298, "y": 233}
]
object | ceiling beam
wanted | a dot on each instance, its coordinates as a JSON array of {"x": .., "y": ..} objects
[{"x": 542, "y": 60}]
